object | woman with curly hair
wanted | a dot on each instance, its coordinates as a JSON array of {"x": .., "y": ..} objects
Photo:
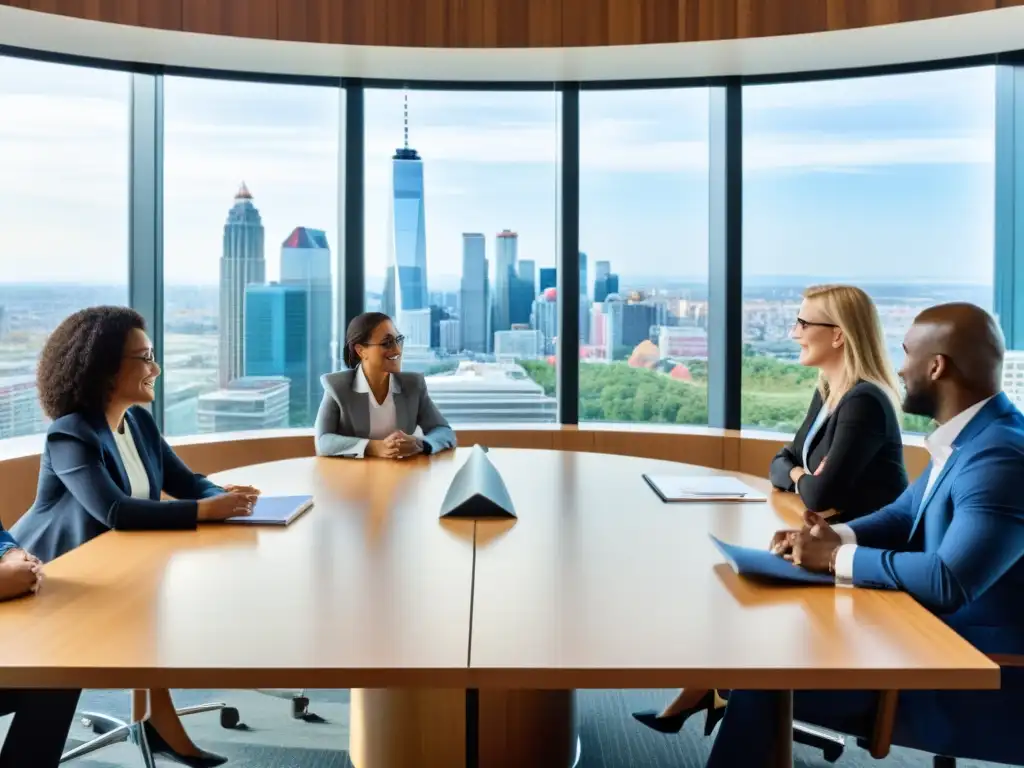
[{"x": 105, "y": 465}]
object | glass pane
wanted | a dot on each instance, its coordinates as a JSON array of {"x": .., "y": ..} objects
[
  {"x": 461, "y": 240},
  {"x": 644, "y": 265},
  {"x": 250, "y": 233},
  {"x": 886, "y": 183},
  {"x": 64, "y": 155}
]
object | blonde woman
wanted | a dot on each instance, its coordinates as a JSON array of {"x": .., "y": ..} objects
[{"x": 847, "y": 455}]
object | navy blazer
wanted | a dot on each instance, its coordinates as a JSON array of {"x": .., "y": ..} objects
[
  {"x": 960, "y": 550},
  {"x": 84, "y": 491}
]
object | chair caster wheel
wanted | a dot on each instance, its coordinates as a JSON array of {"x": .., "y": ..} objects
[
  {"x": 831, "y": 754},
  {"x": 229, "y": 718},
  {"x": 300, "y": 706}
]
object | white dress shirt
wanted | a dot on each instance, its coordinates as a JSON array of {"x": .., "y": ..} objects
[
  {"x": 383, "y": 418},
  {"x": 138, "y": 480},
  {"x": 940, "y": 446}
]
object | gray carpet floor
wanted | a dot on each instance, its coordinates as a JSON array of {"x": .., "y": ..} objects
[{"x": 273, "y": 739}]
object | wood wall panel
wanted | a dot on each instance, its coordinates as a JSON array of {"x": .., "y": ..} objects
[
  {"x": 507, "y": 23},
  {"x": 234, "y": 18},
  {"x": 165, "y": 14},
  {"x": 719, "y": 449}
]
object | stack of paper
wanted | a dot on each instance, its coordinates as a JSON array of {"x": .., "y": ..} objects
[{"x": 702, "y": 488}]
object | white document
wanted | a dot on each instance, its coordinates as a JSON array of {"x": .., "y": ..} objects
[{"x": 702, "y": 488}]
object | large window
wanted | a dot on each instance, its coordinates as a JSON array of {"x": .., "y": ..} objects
[
  {"x": 250, "y": 223},
  {"x": 644, "y": 255},
  {"x": 884, "y": 182},
  {"x": 64, "y": 158},
  {"x": 461, "y": 243}
]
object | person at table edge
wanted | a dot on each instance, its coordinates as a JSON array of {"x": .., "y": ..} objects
[
  {"x": 847, "y": 455},
  {"x": 105, "y": 464},
  {"x": 42, "y": 718},
  {"x": 954, "y": 540},
  {"x": 373, "y": 409}
]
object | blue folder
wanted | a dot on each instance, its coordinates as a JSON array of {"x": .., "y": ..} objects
[
  {"x": 275, "y": 510},
  {"x": 762, "y": 564}
]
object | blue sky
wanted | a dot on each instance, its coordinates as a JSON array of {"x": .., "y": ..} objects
[{"x": 867, "y": 179}]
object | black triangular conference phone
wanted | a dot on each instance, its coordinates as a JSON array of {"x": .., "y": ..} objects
[{"x": 477, "y": 490}]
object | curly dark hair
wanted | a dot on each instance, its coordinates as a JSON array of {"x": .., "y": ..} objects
[{"x": 81, "y": 358}]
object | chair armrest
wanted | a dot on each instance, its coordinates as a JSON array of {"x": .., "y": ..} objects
[{"x": 885, "y": 715}]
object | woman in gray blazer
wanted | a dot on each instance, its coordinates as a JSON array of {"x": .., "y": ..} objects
[{"x": 373, "y": 409}]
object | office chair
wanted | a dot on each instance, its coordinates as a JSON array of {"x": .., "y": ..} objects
[
  {"x": 885, "y": 719},
  {"x": 111, "y": 730},
  {"x": 300, "y": 703},
  {"x": 830, "y": 744}
]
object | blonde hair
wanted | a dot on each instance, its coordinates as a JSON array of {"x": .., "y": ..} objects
[{"x": 864, "y": 356}]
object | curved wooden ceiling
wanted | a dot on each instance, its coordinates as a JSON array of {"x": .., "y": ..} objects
[{"x": 506, "y": 23}]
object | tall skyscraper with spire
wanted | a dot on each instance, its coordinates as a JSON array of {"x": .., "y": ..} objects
[
  {"x": 405, "y": 286},
  {"x": 241, "y": 263}
]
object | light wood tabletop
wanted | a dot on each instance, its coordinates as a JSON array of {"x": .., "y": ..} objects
[
  {"x": 599, "y": 584},
  {"x": 596, "y": 584},
  {"x": 368, "y": 588}
]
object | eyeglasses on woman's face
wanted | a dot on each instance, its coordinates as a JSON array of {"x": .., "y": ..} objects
[
  {"x": 388, "y": 342},
  {"x": 146, "y": 357},
  {"x": 805, "y": 324}
]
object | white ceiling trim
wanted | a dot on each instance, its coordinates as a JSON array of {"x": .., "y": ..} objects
[{"x": 969, "y": 34}]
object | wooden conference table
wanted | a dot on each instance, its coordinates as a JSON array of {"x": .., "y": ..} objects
[{"x": 597, "y": 584}]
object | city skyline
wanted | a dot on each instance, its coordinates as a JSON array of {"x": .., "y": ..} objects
[{"x": 838, "y": 180}]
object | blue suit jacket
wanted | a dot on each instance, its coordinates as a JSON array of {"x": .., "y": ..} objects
[
  {"x": 960, "y": 550},
  {"x": 84, "y": 491}
]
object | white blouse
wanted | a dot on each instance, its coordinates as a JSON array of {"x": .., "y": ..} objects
[{"x": 138, "y": 480}]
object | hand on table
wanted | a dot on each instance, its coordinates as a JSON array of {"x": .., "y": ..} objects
[
  {"x": 406, "y": 445},
  {"x": 811, "y": 547},
  {"x": 236, "y": 501},
  {"x": 382, "y": 449},
  {"x": 20, "y": 573}
]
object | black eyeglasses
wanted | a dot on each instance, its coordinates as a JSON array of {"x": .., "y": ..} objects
[
  {"x": 389, "y": 342},
  {"x": 805, "y": 324},
  {"x": 147, "y": 357}
]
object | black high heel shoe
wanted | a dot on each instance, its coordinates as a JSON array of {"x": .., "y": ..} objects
[
  {"x": 158, "y": 746},
  {"x": 710, "y": 702}
]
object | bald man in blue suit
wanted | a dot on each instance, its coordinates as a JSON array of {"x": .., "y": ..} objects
[{"x": 954, "y": 540}]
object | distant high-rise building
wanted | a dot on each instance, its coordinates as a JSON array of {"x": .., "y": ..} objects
[
  {"x": 584, "y": 288},
  {"x": 416, "y": 327},
  {"x": 545, "y": 317},
  {"x": 528, "y": 274},
  {"x": 247, "y": 403},
  {"x": 684, "y": 341},
  {"x": 277, "y": 332},
  {"x": 450, "y": 336},
  {"x": 20, "y": 412},
  {"x": 506, "y": 247},
  {"x": 518, "y": 344},
  {"x": 241, "y": 263},
  {"x": 405, "y": 285},
  {"x": 306, "y": 264},
  {"x": 473, "y": 298},
  {"x": 548, "y": 279},
  {"x": 603, "y": 280}
]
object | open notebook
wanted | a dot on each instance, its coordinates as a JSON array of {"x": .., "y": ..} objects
[
  {"x": 275, "y": 510},
  {"x": 702, "y": 488},
  {"x": 762, "y": 564}
]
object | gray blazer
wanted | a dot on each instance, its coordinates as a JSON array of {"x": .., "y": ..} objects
[{"x": 344, "y": 416}]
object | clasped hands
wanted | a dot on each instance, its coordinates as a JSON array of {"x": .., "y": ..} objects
[
  {"x": 812, "y": 547},
  {"x": 397, "y": 445},
  {"x": 20, "y": 574}
]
